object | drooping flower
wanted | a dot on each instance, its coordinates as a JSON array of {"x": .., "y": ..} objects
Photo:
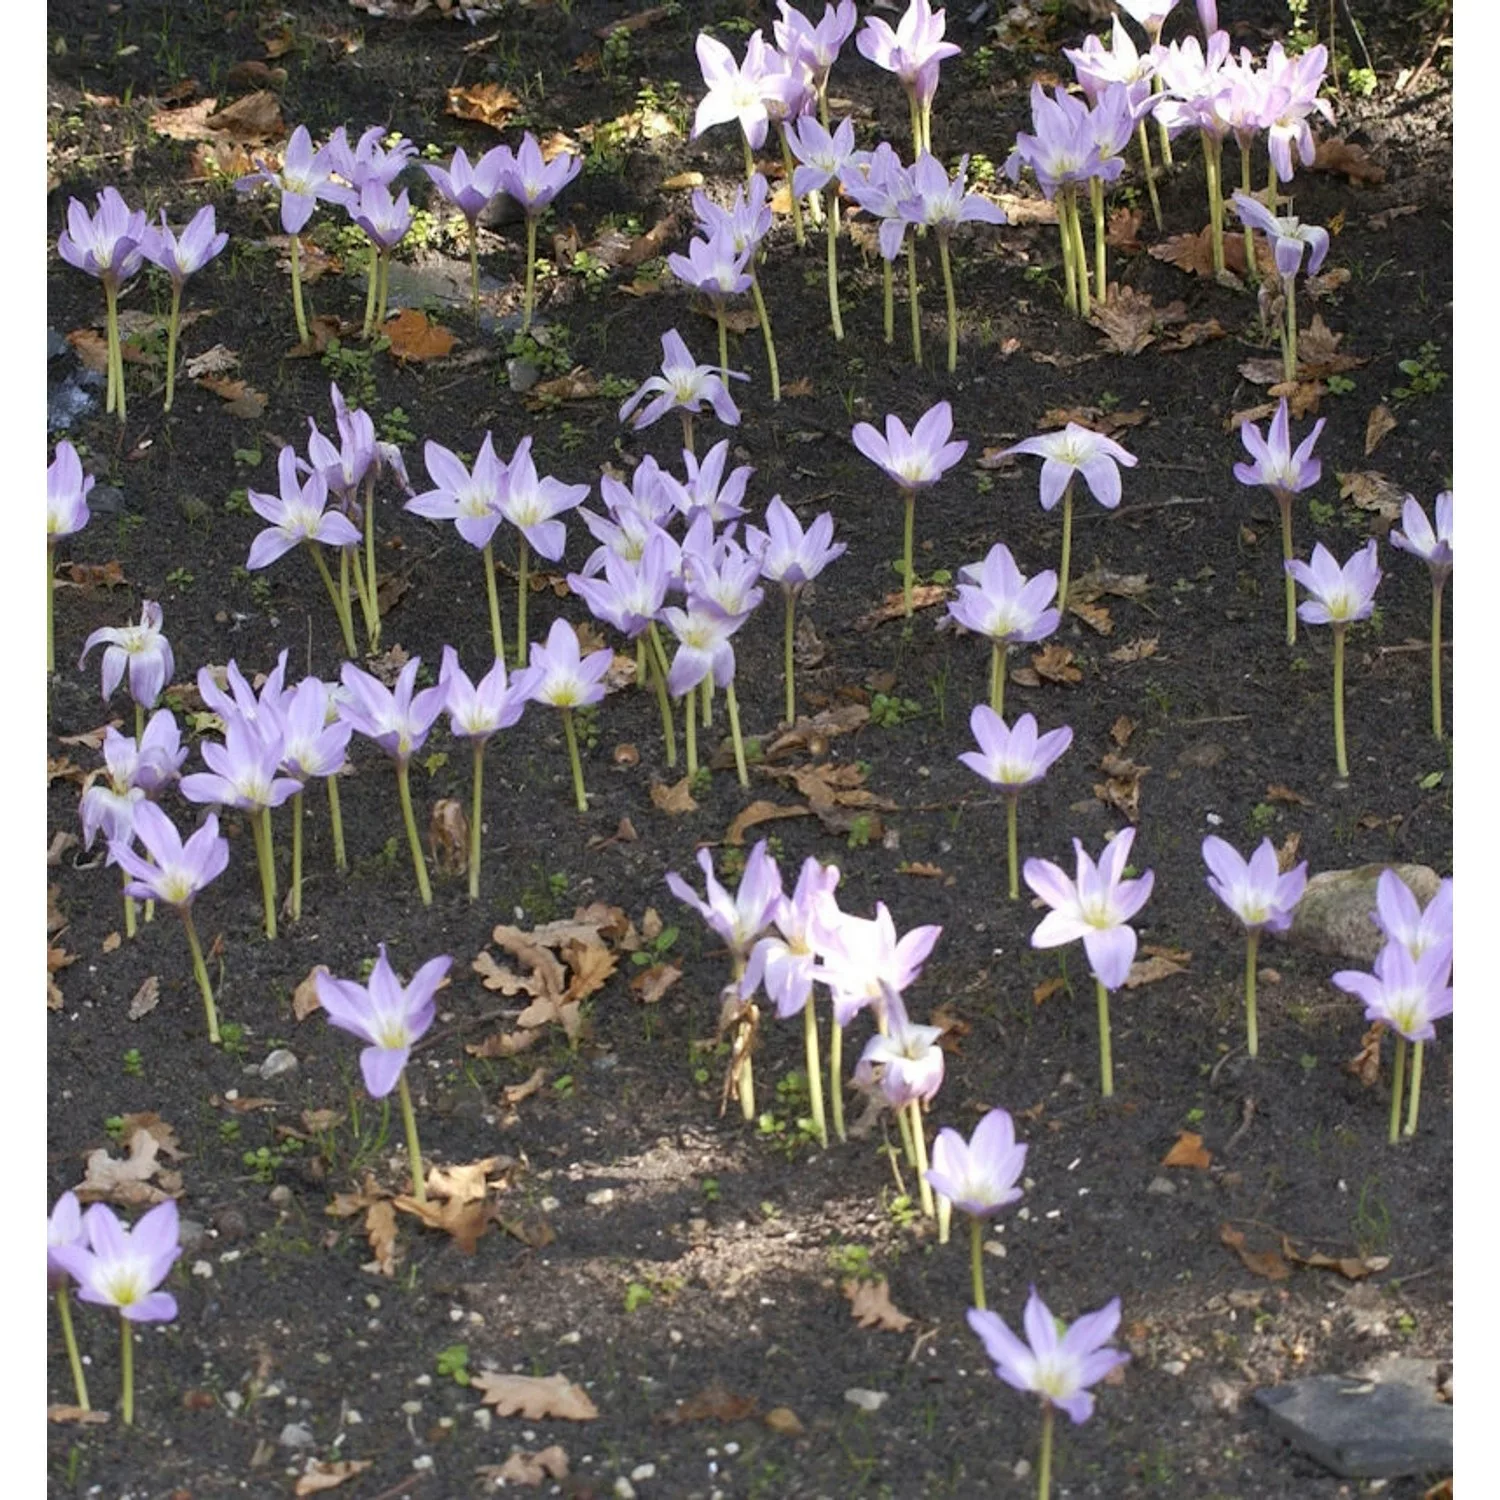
[
  {"x": 1077, "y": 450},
  {"x": 786, "y": 961},
  {"x": 739, "y": 919},
  {"x": 142, "y": 648},
  {"x": 911, "y": 1058},
  {"x": 1290, "y": 237},
  {"x": 67, "y": 492}
]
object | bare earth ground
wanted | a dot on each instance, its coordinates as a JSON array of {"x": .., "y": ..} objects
[{"x": 687, "y": 1251}]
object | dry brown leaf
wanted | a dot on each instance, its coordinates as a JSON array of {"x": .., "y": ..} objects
[
  {"x": 1095, "y": 616},
  {"x": 1110, "y": 423},
  {"x": 1047, "y": 989},
  {"x": 145, "y": 999},
  {"x": 1121, "y": 787},
  {"x": 127, "y": 1180},
  {"x": 91, "y": 348},
  {"x": 468, "y": 1183},
  {"x": 1187, "y": 1151},
  {"x": 465, "y": 1221},
  {"x": 577, "y": 385},
  {"x": 757, "y": 813},
  {"x": 1121, "y": 730},
  {"x": 784, "y": 1420},
  {"x": 413, "y": 337},
  {"x": 240, "y": 400},
  {"x": 652, "y": 983},
  {"x": 536, "y": 1398},
  {"x": 514, "y": 1093},
  {"x": 1339, "y": 155},
  {"x": 802, "y": 386},
  {"x": 1372, "y": 491},
  {"x": 448, "y": 837},
  {"x": 1350, "y": 1267},
  {"x": 892, "y": 607},
  {"x": 530, "y": 1469},
  {"x": 319, "y": 1476},
  {"x": 592, "y": 964},
  {"x": 1054, "y": 663},
  {"x": 503, "y": 1043},
  {"x": 1156, "y": 963},
  {"x": 1129, "y": 320},
  {"x": 305, "y": 997},
  {"x": 1136, "y": 650},
  {"x": 186, "y": 124},
  {"x": 870, "y": 1302},
  {"x": 254, "y": 118},
  {"x": 683, "y": 180},
  {"x": 1378, "y": 427},
  {"x": 812, "y": 735},
  {"x": 1189, "y": 335},
  {"x": 1266, "y": 1263},
  {"x": 96, "y": 575},
  {"x": 1328, "y": 282},
  {"x": 63, "y": 768},
  {"x": 489, "y": 103},
  {"x": 1365, "y": 1064},
  {"x": 111, "y": 941},
  {"x": 922, "y": 870},
  {"x": 380, "y": 1230},
  {"x": 1286, "y": 855},
  {"x": 636, "y": 22},
  {"x": 674, "y": 799},
  {"x": 714, "y": 1403},
  {"x": 1319, "y": 352},
  {"x": 1123, "y": 228},
  {"x": 1275, "y": 792},
  {"x": 84, "y": 1415},
  {"x": 92, "y": 739}
]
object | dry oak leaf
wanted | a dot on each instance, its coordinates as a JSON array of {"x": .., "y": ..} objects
[
  {"x": 1156, "y": 963},
  {"x": 1275, "y": 792},
  {"x": 219, "y": 360},
  {"x": 676, "y": 798},
  {"x": 870, "y": 1302},
  {"x": 1054, "y": 663},
  {"x": 1190, "y": 334},
  {"x": 1267, "y": 1263},
  {"x": 187, "y": 124},
  {"x": 1129, "y": 319},
  {"x": 503, "y": 1043},
  {"x": 413, "y": 337},
  {"x": 127, "y": 1180},
  {"x": 1095, "y": 616},
  {"x": 145, "y": 999},
  {"x": 256, "y": 117},
  {"x": 1124, "y": 225},
  {"x": 319, "y": 1476},
  {"x": 1121, "y": 730},
  {"x": 380, "y": 1230},
  {"x": 1373, "y": 491},
  {"x": 1047, "y": 989},
  {"x": 683, "y": 180},
  {"x": 592, "y": 964},
  {"x": 1350, "y": 1267},
  {"x": 651, "y": 984},
  {"x": 1365, "y": 1064},
  {"x": 537, "y": 1398},
  {"x": 578, "y": 384},
  {"x": 1122, "y": 787},
  {"x": 448, "y": 837},
  {"x": 111, "y": 941},
  {"x": 893, "y": 607},
  {"x": 488, "y": 103},
  {"x": 1136, "y": 650},
  {"x": 465, "y": 1221},
  {"x": 85, "y": 1415},
  {"x": 305, "y": 997},
  {"x": 531, "y": 1469},
  {"x": 1339, "y": 155},
  {"x": 514, "y": 1093},
  {"x": 757, "y": 813},
  {"x": 1378, "y": 427},
  {"x": 240, "y": 399},
  {"x": 1188, "y": 1151},
  {"x": 1110, "y": 423},
  {"x": 714, "y": 1403},
  {"x": 468, "y": 1183}
]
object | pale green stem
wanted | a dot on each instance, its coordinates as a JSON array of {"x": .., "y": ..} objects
[
  {"x": 474, "y": 267},
  {"x": 1080, "y": 252},
  {"x": 474, "y": 821},
  {"x": 1166, "y": 140},
  {"x": 1144, "y": 141},
  {"x": 789, "y": 168},
  {"x": 907, "y": 567},
  {"x": 836, "y": 1078},
  {"x": 998, "y": 652},
  {"x": 888, "y": 287},
  {"x": 260, "y": 823},
  {"x": 65, "y": 1317},
  {"x": 528, "y": 305},
  {"x": 1252, "y": 271},
  {"x": 1414, "y": 1091},
  {"x": 946, "y": 263},
  {"x": 127, "y": 1372},
  {"x": 1106, "y": 1061},
  {"x": 749, "y": 158},
  {"x": 912, "y": 303},
  {"x": 497, "y": 634},
  {"x": 385, "y": 287},
  {"x": 642, "y": 664},
  {"x": 814, "y": 1070},
  {"x": 976, "y": 1259},
  {"x": 372, "y": 583},
  {"x": 788, "y": 656},
  {"x": 149, "y": 913},
  {"x": 659, "y": 681},
  {"x": 732, "y": 704},
  {"x": 112, "y": 315},
  {"x": 1437, "y": 661},
  {"x": 765, "y": 330},
  {"x": 419, "y": 863},
  {"x": 723, "y": 341},
  {"x": 51, "y": 588},
  {"x": 413, "y": 1145},
  {"x": 523, "y": 588},
  {"x": 1065, "y": 238},
  {"x": 1252, "y": 1030},
  {"x": 346, "y": 624},
  {"x": 1012, "y": 852},
  {"x": 580, "y": 797},
  {"x": 1338, "y": 700},
  {"x": 110, "y": 329},
  {"x": 1101, "y": 260},
  {"x": 296, "y": 896},
  {"x": 1289, "y": 359},
  {"x": 916, "y": 123},
  {"x": 706, "y": 697},
  {"x": 174, "y": 318},
  {"x": 1285, "y": 502},
  {"x": 831, "y": 215},
  {"x": 372, "y": 276},
  {"x": 1044, "y": 1463},
  {"x": 1067, "y": 545},
  {"x": 200, "y": 973},
  {"x": 908, "y": 1146},
  {"x": 336, "y": 820},
  {"x": 687, "y": 430},
  {"x": 919, "y": 1141},
  {"x": 747, "y": 1087},
  {"x": 1396, "y": 1081},
  {"x": 689, "y": 701},
  {"x": 303, "y": 335},
  {"x": 140, "y": 722},
  {"x": 1213, "y": 152}
]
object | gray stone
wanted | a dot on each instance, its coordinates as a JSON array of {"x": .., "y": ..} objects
[
  {"x": 866, "y": 1400},
  {"x": 1164, "y": 1186},
  {"x": 433, "y": 278},
  {"x": 1335, "y": 915},
  {"x": 295, "y": 1435},
  {"x": 190, "y": 1234},
  {"x": 278, "y": 1064},
  {"x": 106, "y": 500},
  {"x": 1364, "y": 1429}
]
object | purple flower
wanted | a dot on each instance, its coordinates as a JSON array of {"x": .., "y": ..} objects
[
  {"x": 859, "y": 954},
  {"x": 631, "y": 593},
  {"x": 1097, "y": 907},
  {"x": 747, "y": 220},
  {"x": 917, "y": 458},
  {"x": 1405, "y": 993},
  {"x": 385, "y": 220},
  {"x": 398, "y": 721},
  {"x": 262, "y": 713},
  {"x": 683, "y": 385},
  {"x": 913, "y": 51},
  {"x": 910, "y": 1053},
  {"x": 1433, "y": 546},
  {"x": 305, "y": 177},
  {"x": 108, "y": 245},
  {"x": 389, "y": 1016},
  {"x": 996, "y": 600},
  {"x": 815, "y": 48},
  {"x": 67, "y": 492},
  {"x": 1289, "y": 237},
  {"x": 715, "y": 266},
  {"x": 940, "y": 202},
  {"x": 531, "y": 504},
  {"x": 561, "y": 676},
  {"x": 534, "y": 183},
  {"x": 1012, "y": 758},
  {"x": 739, "y": 919},
  {"x": 880, "y": 185},
  {"x": 785, "y": 962},
  {"x": 143, "y": 648},
  {"x": 1415, "y": 928},
  {"x": 123, "y": 1267},
  {"x": 1341, "y": 595},
  {"x": 471, "y": 189},
  {"x": 301, "y": 514},
  {"x": 368, "y": 160},
  {"x": 176, "y": 872},
  {"x": 722, "y": 577},
  {"x": 1078, "y": 450},
  {"x": 740, "y": 91},
  {"x": 1255, "y": 890},
  {"x": 1059, "y": 1370},
  {"x": 1062, "y": 150},
  {"x": 1148, "y": 13},
  {"x": 470, "y": 501},
  {"x": 703, "y": 634},
  {"x": 476, "y": 712},
  {"x": 1298, "y": 81},
  {"x": 243, "y": 772},
  {"x": 132, "y": 772},
  {"x": 1098, "y": 66},
  {"x": 343, "y": 468},
  {"x": 1192, "y": 81},
  {"x": 786, "y": 553},
  {"x": 311, "y": 745},
  {"x": 705, "y": 489},
  {"x": 822, "y": 157},
  {"x": 180, "y": 258},
  {"x": 979, "y": 1175},
  {"x": 64, "y": 1227},
  {"x": 1280, "y": 470}
]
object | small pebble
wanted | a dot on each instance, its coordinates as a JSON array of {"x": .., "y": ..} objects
[
  {"x": 866, "y": 1400},
  {"x": 278, "y": 1064},
  {"x": 203, "y": 1269},
  {"x": 1162, "y": 1186},
  {"x": 295, "y": 1435},
  {"x": 422, "y": 1462},
  {"x": 483, "y": 1417},
  {"x": 1174, "y": 1367},
  {"x": 411, "y": 1408},
  {"x": 600, "y": 1197},
  {"x": 643, "y": 1471},
  {"x": 280, "y": 1196},
  {"x": 624, "y": 1488}
]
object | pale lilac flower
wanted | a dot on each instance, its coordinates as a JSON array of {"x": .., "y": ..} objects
[
  {"x": 1078, "y": 450},
  {"x": 1062, "y": 150},
  {"x": 703, "y": 634},
  {"x": 561, "y": 676},
  {"x": 980, "y": 1175},
  {"x": 1097, "y": 66},
  {"x": 913, "y": 1061},
  {"x": 181, "y": 258},
  {"x": 739, "y": 919},
  {"x": 470, "y": 501},
  {"x": 344, "y": 467},
  {"x": 715, "y": 266},
  {"x": 1148, "y": 13},
  {"x": 1011, "y": 759},
  {"x": 305, "y": 177},
  {"x": 1289, "y": 237},
  {"x": 738, "y": 91},
  {"x": 1276, "y": 466},
  {"x": 108, "y": 244},
  {"x": 940, "y": 202},
  {"x": 1192, "y": 77},
  {"x": 1255, "y": 890},
  {"x": 913, "y": 51},
  {"x": 631, "y": 593},
  {"x": 132, "y": 772},
  {"x": 1096, "y": 907},
  {"x": 398, "y": 721},
  {"x": 1403, "y": 921},
  {"x": 383, "y": 219},
  {"x": 64, "y": 1227},
  {"x": 243, "y": 772},
  {"x": 1340, "y": 595},
  {"x": 857, "y": 955},
  {"x": 815, "y": 47},
  {"x": 534, "y": 182},
  {"x": 301, "y": 514},
  {"x": 1405, "y": 993},
  {"x": 722, "y": 577},
  {"x": 1296, "y": 80},
  {"x": 67, "y": 492},
  {"x": 471, "y": 188},
  {"x": 312, "y": 745},
  {"x": 917, "y": 458},
  {"x": 821, "y": 156},
  {"x": 261, "y": 712},
  {"x": 390, "y": 1016},
  {"x": 786, "y": 961},
  {"x": 996, "y": 600},
  {"x": 176, "y": 872},
  {"x": 682, "y": 385},
  {"x": 880, "y": 185},
  {"x": 1433, "y": 545},
  {"x": 368, "y": 160},
  {"x": 477, "y": 711},
  {"x": 532, "y": 504},
  {"x": 747, "y": 220},
  {"x": 786, "y": 553},
  {"x": 705, "y": 489},
  {"x": 124, "y": 1267},
  {"x": 143, "y": 648},
  {"x": 1059, "y": 1370}
]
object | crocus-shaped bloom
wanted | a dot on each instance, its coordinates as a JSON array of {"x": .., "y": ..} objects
[
  {"x": 477, "y": 711},
  {"x": 683, "y": 385},
  {"x": 1148, "y": 13},
  {"x": 785, "y": 960},
  {"x": 533, "y": 182},
  {"x": 814, "y": 47},
  {"x": 1296, "y": 81},
  {"x": 940, "y": 202},
  {"x": 979, "y": 1175},
  {"x": 1192, "y": 78},
  {"x": 1011, "y": 759},
  {"x": 739, "y": 919},
  {"x": 384, "y": 219},
  {"x": 124, "y": 1267},
  {"x": 471, "y": 188},
  {"x": 398, "y": 720},
  {"x": 880, "y": 185},
  {"x": 1403, "y": 921},
  {"x": 368, "y": 160},
  {"x": 143, "y": 648},
  {"x": 388, "y": 1015},
  {"x": 747, "y": 220},
  {"x": 786, "y": 553},
  {"x": 1275, "y": 465},
  {"x": 715, "y": 266},
  {"x": 176, "y": 871},
  {"x": 108, "y": 244},
  {"x": 703, "y": 634},
  {"x": 911, "y": 1055},
  {"x": 470, "y": 501},
  {"x": 1096, "y": 907},
  {"x": 1098, "y": 66},
  {"x": 310, "y": 744},
  {"x": 300, "y": 514},
  {"x": 1062, "y": 149},
  {"x": 860, "y": 954},
  {"x": 913, "y": 51},
  {"x": 1407, "y": 994},
  {"x": 1433, "y": 545},
  {"x": 1340, "y": 595},
  {"x": 631, "y": 593},
  {"x": 305, "y": 177},
  {"x": 705, "y": 490},
  {"x": 64, "y": 1227},
  {"x": 532, "y": 504},
  {"x": 181, "y": 258},
  {"x": 917, "y": 458},
  {"x": 822, "y": 157},
  {"x": 344, "y": 467},
  {"x": 738, "y": 91},
  {"x": 1289, "y": 237},
  {"x": 1255, "y": 890},
  {"x": 132, "y": 772},
  {"x": 996, "y": 600},
  {"x": 243, "y": 772},
  {"x": 1078, "y": 450},
  {"x": 561, "y": 675},
  {"x": 1059, "y": 1370},
  {"x": 67, "y": 492},
  {"x": 262, "y": 712},
  {"x": 722, "y": 577}
]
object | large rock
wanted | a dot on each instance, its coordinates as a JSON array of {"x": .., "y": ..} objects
[
  {"x": 1336, "y": 913},
  {"x": 1365, "y": 1429}
]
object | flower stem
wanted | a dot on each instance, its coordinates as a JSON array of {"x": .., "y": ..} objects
[
  {"x": 976, "y": 1259},
  {"x": 1065, "y": 237},
  {"x": 830, "y": 213},
  {"x": 1252, "y": 1031},
  {"x": 723, "y": 341},
  {"x": 706, "y": 694},
  {"x": 523, "y": 588},
  {"x": 1157, "y": 85},
  {"x": 1338, "y": 700},
  {"x": 689, "y": 702},
  {"x": 912, "y": 302},
  {"x": 732, "y": 704},
  {"x": 1144, "y": 141},
  {"x": 749, "y": 158},
  {"x": 908, "y": 1146},
  {"x": 110, "y": 327},
  {"x": 336, "y": 820},
  {"x": 998, "y": 652},
  {"x": 301, "y": 315},
  {"x": 580, "y": 797},
  {"x": 528, "y": 304},
  {"x": 413, "y": 1145},
  {"x": 1289, "y": 355},
  {"x": 836, "y": 1078},
  {"x": 687, "y": 430},
  {"x": 659, "y": 681},
  {"x": 1252, "y": 271},
  {"x": 51, "y": 588},
  {"x": 260, "y": 822},
  {"x": 497, "y": 634},
  {"x": 1414, "y": 1091},
  {"x": 1101, "y": 256},
  {"x": 174, "y": 318},
  {"x": 1044, "y": 1463},
  {"x": 1437, "y": 664},
  {"x": 340, "y": 608},
  {"x": 888, "y": 287},
  {"x": 200, "y": 973},
  {"x": 919, "y": 1142},
  {"x": 1213, "y": 155},
  {"x": 1286, "y": 557},
  {"x": 1080, "y": 251},
  {"x": 814, "y": 1070},
  {"x": 788, "y": 656},
  {"x": 1106, "y": 1061},
  {"x": 1067, "y": 546},
  {"x": 1396, "y": 1081},
  {"x": 127, "y": 1373},
  {"x": 65, "y": 1317},
  {"x": 910, "y": 497},
  {"x": 296, "y": 896},
  {"x": 1011, "y": 852},
  {"x": 946, "y": 263},
  {"x": 372, "y": 583},
  {"x": 474, "y": 268},
  {"x": 371, "y": 277},
  {"x": 789, "y": 170},
  {"x": 385, "y": 287},
  {"x": 765, "y": 331},
  {"x": 112, "y": 316},
  {"x": 474, "y": 820},
  {"x": 403, "y": 789}
]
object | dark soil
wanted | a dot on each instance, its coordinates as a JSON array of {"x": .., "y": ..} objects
[{"x": 717, "y": 1254}]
